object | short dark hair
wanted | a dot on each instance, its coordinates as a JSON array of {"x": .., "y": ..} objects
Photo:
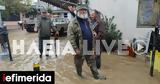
[
  {"x": 96, "y": 11},
  {"x": 98, "y": 14}
]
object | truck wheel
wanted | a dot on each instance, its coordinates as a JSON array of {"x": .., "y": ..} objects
[
  {"x": 27, "y": 30},
  {"x": 30, "y": 28},
  {"x": 61, "y": 32}
]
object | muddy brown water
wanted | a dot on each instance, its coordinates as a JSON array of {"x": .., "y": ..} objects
[{"x": 118, "y": 69}]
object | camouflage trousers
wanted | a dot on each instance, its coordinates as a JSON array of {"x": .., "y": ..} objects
[{"x": 78, "y": 60}]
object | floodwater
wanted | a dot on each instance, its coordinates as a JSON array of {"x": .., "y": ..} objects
[{"x": 117, "y": 69}]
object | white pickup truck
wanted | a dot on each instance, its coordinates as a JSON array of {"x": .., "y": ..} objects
[
  {"x": 61, "y": 24},
  {"x": 30, "y": 24}
]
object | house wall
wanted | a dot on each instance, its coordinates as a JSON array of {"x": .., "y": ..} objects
[{"x": 125, "y": 12}]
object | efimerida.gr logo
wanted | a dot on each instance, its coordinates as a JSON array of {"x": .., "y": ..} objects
[
  {"x": 27, "y": 77},
  {"x": 19, "y": 78}
]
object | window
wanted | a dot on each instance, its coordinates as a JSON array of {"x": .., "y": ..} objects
[
  {"x": 65, "y": 15},
  {"x": 147, "y": 15}
]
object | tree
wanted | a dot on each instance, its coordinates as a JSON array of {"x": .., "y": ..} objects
[
  {"x": 49, "y": 10},
  {"x": 1, "y": 2},
  {"x": 15, "y": 7},
  {"x": 111, "y": 31},
  {"x": 18, "y": 5}
]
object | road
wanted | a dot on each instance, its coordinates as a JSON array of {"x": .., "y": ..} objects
[{"x": 118, "y": 69}]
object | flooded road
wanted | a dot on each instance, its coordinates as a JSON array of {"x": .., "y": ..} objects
[{"x": 118, "y": 69}]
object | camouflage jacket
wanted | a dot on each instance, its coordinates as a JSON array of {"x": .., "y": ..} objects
[{"x": 74, "y": 34}]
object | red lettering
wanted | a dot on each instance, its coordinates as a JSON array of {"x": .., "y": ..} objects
[{"x": 4, "y": 77}]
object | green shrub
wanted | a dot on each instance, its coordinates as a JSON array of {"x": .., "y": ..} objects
[{"x": 111, "y": 31}]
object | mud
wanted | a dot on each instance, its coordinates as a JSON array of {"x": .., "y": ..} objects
[{"x": 117, "y": 69}]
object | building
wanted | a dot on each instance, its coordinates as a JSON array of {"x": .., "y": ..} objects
[{"x": 125, "y": 12}]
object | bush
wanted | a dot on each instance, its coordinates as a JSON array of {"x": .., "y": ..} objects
[{"x": 111, "y": 31}]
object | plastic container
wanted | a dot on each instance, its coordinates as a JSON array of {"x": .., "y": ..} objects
[{"x": 157, "y": 60}]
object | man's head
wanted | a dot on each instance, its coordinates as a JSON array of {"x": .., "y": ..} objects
[
  {"x": 82, "y": 12},
  {"x": 94, "y": 14},
  {"x": 44, "y": 13}
]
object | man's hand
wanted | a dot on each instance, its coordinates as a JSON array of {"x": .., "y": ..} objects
[{"x": 78, "y": 53}]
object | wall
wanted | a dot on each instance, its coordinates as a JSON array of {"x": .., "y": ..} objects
[{"x": 125, "y": 12}]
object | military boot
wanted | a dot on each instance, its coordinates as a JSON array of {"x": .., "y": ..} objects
[{"x": 100, "y": 77}]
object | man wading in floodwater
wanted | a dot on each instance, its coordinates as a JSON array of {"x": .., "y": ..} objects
[
  {"x": 79, "y": 30},
  {"x": 44, "y": 28},
  {"x": 99, "y": 29}
]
